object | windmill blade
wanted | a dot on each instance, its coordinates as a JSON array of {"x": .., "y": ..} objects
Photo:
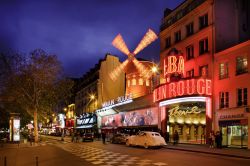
[
  {"x": 142, "y": 69},
  {"x": 119, "y": 43},
  {"x": 148, "y": 38},
  {"x": 117, "y": 71}
]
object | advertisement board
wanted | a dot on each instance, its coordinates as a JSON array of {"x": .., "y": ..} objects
[
  {"x": 16, "y": 129},
  {"x": 142, "y": 117}
]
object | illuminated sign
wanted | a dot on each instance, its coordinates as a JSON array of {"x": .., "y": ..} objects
[
  {"x": 176, "y": 112},
  {"x": 16, "y": 130},
  {"x": 173, "y": 64},
  {"x": 107, "y": 106},
  {"x": 183, "y": 88}
]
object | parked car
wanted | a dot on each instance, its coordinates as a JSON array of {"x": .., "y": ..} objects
[
  {"x": 119, "y": 139},
  {"x": 88, "y": 136},
  {"x": 146, "y": 139}
]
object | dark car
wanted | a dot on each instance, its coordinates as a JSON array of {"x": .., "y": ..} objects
[
  {"x": 119, "y": 139},
  {"x": 88, "y": 136}
]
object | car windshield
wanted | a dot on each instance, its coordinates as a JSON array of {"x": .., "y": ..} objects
[{"x": 155, "y": 134}]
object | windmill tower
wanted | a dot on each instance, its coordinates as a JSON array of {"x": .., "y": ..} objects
[{"x": 138, "y": 73}]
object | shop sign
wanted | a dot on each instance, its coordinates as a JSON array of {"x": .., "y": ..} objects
[
  {"x": 173, "y": 64},
  {"x": 189, "y": 87},
  {"x": 233, "y": 116},
  {"x": 177, "y": 112},
  {"x": 116, "y": 102},
  {"x": 85, "y": 120}
]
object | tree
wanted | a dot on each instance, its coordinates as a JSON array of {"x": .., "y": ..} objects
[{"x": 38, "y": 84}]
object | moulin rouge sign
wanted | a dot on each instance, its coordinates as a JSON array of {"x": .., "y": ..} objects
[
  {"x": 183, "y": 88},
  {"x": 174, "y": 64}
]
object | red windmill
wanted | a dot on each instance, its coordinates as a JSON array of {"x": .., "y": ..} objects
[{"x": 119, "y": 43}]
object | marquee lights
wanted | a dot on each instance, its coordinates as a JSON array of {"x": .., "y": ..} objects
[
  {"x": 184, "y": 99},
  {"x": 185, "y": 87}
]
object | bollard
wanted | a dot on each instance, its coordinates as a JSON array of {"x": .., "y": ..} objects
[
  {"x": 5, "y": 161},
  {"x": 36, "y": 161}
]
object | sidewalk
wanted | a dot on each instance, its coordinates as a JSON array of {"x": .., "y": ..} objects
[{"x": 229, "y": 152}]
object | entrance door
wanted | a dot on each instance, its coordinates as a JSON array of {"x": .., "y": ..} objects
[{"x": 235, "y": 136}]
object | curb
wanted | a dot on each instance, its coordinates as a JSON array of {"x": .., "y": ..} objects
[{"x": 205, "y": 152}]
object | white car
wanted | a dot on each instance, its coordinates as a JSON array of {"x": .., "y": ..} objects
[{"x": 146, "y": 139}]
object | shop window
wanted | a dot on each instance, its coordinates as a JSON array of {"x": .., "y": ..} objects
[
  {"x": 190, "y": 73},
  {"x": 140, "y": 81},
  {"x": 204, "y": 71},
  {"x": 133, "y": 81},
  {"x": 190, "y": 29},
  {"x": 168, "y": 42},
  {"x": 223, "y": 69},
  {"x": 203, "y": 46},
  {"x": 241, "y": 65},
  {"x": 203, "y": 21},
  {"x": 190, "y": 52},
  {"x": 128, "y": 83},
  {"x": 224, "y": 99},
  {"x": 147, "y": 82},
  {"x": 242, "y": 96},
  {"x": 177, "y": 36}
]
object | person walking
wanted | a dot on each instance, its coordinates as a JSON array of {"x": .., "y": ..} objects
[
  {"x": 211, "y": 139},
  {"x": 176, "y": 137},
  {"x": 103, "y": 137}
]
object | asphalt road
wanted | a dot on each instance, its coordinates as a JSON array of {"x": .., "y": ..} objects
[{"x": 57, "y": 153}]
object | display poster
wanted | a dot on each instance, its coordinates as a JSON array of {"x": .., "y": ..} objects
[
  {"x": 16, "y": 130},
  {"x": 143, "y": 117}
]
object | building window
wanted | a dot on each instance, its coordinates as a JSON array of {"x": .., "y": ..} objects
[
  {"x": 128, "y": 83},
  {"x": 224, "y": 99},
  {"x": 203, "y": 20},
  {"x": 242, "y": 96},
  {"x": 140, "y": 81},
  {"x": 168, "y": 42},
  {"x": 241, "y": 65},
  {"x": 223, "y": 69},
  {"x": 190, "y": 73},
  {"x": 190, "y": 29},
  {"x": 133, "y": 81},
  {"x": 190, "y": 52},
  {"x": 204, "y": 71},
  {"x": 147, "y": 82},
  {"x": 203, "y": 46},
  {"x": 177, "y": 36}
]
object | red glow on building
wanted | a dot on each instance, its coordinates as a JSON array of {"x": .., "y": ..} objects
[{"x": 183, "y": 88}]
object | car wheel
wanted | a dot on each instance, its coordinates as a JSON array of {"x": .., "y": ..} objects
[
  {"x": 127, "y": 143},
  {"x": 146, "y": 146}
]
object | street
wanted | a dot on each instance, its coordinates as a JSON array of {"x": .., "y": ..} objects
[{"x": 54, "y": 152}]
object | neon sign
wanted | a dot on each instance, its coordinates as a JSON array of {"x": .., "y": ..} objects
[
  {"x": 176, "y": 112},
  {"x": 183, "y": 88},
  {"x": 119, "y": 100},
  {"x": 173, "y": 64}
]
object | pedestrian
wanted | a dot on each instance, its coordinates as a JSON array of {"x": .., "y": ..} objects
[
  {"x": 211, "y": 139},
  {"x": 220, "y": 139},
  {"x": 217, "y": 139},
  {"x": 167, "y": 137},
  {"x": 103, "y": 137},
  {"x": 176, "y": 137}
]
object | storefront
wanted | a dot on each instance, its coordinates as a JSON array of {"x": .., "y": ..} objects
[
  {"x": 129, "y": 115},
  {"x": 185, "y": 107},
  {"x": 234, "y": 126},
  {"x": 86, "y": 123}
]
